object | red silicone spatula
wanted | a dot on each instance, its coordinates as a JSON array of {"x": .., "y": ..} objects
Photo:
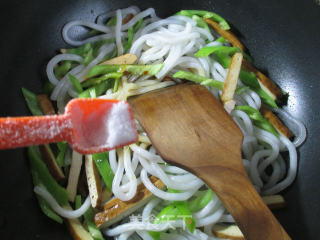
[{"x": 89, "y": 125}]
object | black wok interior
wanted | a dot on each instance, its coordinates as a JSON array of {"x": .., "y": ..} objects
[{"x": 283, "y": 37}]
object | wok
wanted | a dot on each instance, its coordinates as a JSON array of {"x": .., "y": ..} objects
[{"x": 283, "y": 37}]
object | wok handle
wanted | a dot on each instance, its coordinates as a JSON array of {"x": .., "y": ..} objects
[{"x": 243, "y": 202}]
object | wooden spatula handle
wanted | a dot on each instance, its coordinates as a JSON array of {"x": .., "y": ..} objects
[
  {"x": 244, "y": 203},
  {"x": 26, "y": 131}
]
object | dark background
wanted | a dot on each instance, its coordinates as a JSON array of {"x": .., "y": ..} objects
[{"x": 282, "y": 36}]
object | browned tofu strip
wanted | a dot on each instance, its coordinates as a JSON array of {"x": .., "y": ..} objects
[
  {"x": 225, "y": 34},
  {"x": 127, "y": 18},
  {"x": 115, "y": 209},
  {"x": 123, "y": 59},
  {"x": 266, "y": 83},
  {"x": 231, "y": 82},
  {"x": 276, "y": 122},
  {"x": 227, "y": 232},
  {"x": 45, "y": 104},
  {"x": 78, "y": 232},
  {"x": 93, "y": 180},
  {"x": 51, "y": 163},
  {"x": 74, "y": 173},
  {"x": 274, "y": 201}
]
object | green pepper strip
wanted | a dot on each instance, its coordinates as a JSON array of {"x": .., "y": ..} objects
[
  {"x": 137, "y": 26},
  {"x": 116, "y": 85},
  {"x": 96, "y": 90},
  {"x": 77, "y": 204},
  {"x": 221, "y": 40},
  {"x": 45, "y": 207},
  {"x": 200, "y": 202},
  {"x": 258, "y": 119},
  {"x": 94, "y": 81},
  {"x": 75, "y": 83},
  {"x": 200, "y": 22},
  {"x": 170, "y": 212},
  {"x": 185, "y": 212},
  {"x": 93, "y": 229},
  {"x": 47, "y": 87},
  {"x": 206, "y": 14},
  {"x": 198, "y": 79},
  {"x": 102, "y": 162},
  {"x": 62, "y": 70},
  {"x": 112, "y": 22},
  {"x": 135, "y": 69},
  {"x": 62, "y": 146},
  {"x": 58, "y": 192},
  {"x": 206, "y": 51},
  {"x": 32, "y": 102},
  {"x": 130, "y": 38},
  {"x": 248, "y": 78}
]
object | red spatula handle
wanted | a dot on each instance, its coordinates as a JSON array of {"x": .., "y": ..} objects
[{"x": 24, "y": 131}]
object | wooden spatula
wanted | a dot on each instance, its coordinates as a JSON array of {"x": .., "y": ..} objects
[
  {"x": 189, "y": 128},
  {"x": 89, "y": 125}
]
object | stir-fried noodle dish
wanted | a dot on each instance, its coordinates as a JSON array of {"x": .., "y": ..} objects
[{"x": 131, "y": 192}]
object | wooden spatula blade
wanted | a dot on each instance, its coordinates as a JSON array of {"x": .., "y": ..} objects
[
  {"x": 187, "y": 122},
  {"x": 189, "y": 128}
]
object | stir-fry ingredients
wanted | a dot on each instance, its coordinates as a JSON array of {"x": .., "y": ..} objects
[{"x": 131, "y": 192}]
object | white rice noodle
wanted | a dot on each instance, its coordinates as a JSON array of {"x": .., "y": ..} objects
[
  {"x": 125, "y": 235},
  {"x": 138, "y": 226},
  {"x": 118, "y": 32},
  {"x": 124, "y": 163},
  {"x": 292, "y": 170},
  {"x": 148, "y": 12},
  {"x": 263, "y": 157},
  {"x": 55, "y": 60},
  {"x": 295, "y": 125},
  {"x": 71, "y": 214},
  {"x": 165, "y": 195},
  {"x": 209, "y": 208},
  {"x": 147, "y": 210},
  {"x": 66, "y": 29},
  {"x": 103, "y": 51},
  {"x": 102, "y": 18},
  {"x": 211, "y": 219}
]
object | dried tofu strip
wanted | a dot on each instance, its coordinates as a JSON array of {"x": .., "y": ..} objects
[
  {"x": 76, "y": 229},
  {"x": 93, "y": 180},
  {"x": 266, "y": 83},
  {"x": 276, "y": 122},
  {"x": 45, "y": 104},
  {"x": 105, "y": 195},
  {"x": 274, "y": 201},
  {"x": 51, "y": 163},
  {"x": 225, "y": 34},
  {"x": 127, "y": 18},
  {"x": 74, "y": 173},
  {"x": 231, "y": 82},
  {"x": 47, "y": 108},
  {"x": 123, "y": 59},
  {"x": 227, "y": 232},
  {"x": 115, "y": 209}
]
